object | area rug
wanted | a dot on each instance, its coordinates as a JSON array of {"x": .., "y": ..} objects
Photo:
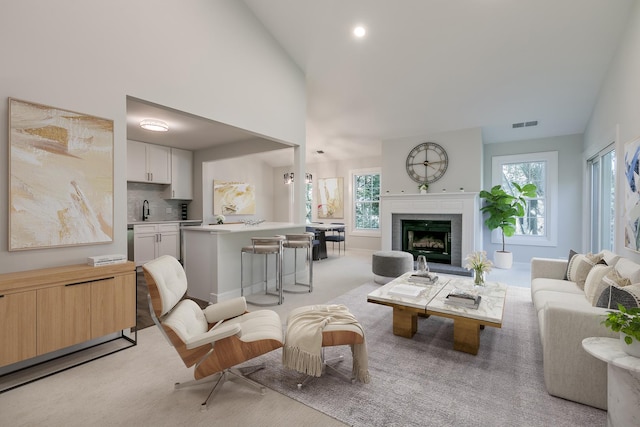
[{"x": 423, "y": 381}]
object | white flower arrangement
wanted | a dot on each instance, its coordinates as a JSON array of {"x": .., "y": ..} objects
[
  {"x": 478, "y": 262},
  {"x": 220, "y": 219}
]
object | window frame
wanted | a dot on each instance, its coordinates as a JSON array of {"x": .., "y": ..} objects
[
  {"x": 368, "y": 232},
  {"x": 550, "y": 238},
  {"x": 308, "y": 190}
]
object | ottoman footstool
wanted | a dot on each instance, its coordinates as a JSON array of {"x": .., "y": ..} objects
[
  {"x": 387, "y": 265},
  {"x": 312, "y": 328}
]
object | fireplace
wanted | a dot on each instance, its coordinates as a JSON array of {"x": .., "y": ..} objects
[
  {"x": 462, "y": 209},
  {"x": 429, "y": 238}
]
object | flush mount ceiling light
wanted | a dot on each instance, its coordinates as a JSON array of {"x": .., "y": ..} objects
[
  {"x": 154, "y": 125},
  {"x": 359, "y": 31}
]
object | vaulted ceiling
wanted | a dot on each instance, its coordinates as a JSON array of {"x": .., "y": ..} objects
[
  {"x": 426, "y": 67},
  {"x": 432, "y": 66}
]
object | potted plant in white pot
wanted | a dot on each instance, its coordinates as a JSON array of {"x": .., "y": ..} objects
[
  {"x": 627, "y": 322},
  {"x": 503, "y": 209}
]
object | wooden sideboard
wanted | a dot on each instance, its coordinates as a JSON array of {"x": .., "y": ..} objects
[{"x": 50, "y": 309}]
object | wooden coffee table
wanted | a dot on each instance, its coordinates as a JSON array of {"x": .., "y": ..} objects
[
  {"x": 467, "y": 322},
  {"x": 406, "y": 309}
]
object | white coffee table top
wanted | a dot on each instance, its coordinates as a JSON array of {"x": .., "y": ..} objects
[
  {"x": 428, "y": 291},
  {"x": 491, "y": 306}
]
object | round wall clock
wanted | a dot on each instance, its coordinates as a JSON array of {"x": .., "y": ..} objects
[{"x": 427, "y": 162}]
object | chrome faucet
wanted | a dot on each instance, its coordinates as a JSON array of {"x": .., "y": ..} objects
[{"x": 145, "y": 210}]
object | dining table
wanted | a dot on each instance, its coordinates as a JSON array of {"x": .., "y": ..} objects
[{"x": 320, "y": 230}]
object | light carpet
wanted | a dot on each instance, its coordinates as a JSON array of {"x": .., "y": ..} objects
[{"x": 423, "y": 381}]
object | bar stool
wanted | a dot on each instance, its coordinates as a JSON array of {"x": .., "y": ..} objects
[
  {"x": 295, "y": 242},
  {"x": 265, "y": 246}
]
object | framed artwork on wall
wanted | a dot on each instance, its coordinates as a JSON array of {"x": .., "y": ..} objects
[
  {"x": 632, "y": 195},
  {"x": 330, "y": 198},
  {"x": 60, "y": 177},
  {"x": 233, "y": 198}
]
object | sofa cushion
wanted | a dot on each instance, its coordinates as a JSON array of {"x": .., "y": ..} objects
[
  {"x": 595, "y": 283},
  {"x": 545, "y": 284},
  {"x": 628, "y": 296},
  {"x": 629, "y": 269},
  {"x": 579, "y": 267},
  {"x": 565, "y": 299}
]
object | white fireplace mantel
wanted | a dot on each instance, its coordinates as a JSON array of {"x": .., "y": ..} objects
[{"x": 466, "y": 204}]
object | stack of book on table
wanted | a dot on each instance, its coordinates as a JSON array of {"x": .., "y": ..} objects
[
  {"x": 463, "y": 298},
  {"x": 97, "y": 261},
  {"x": 424, "y": 278}
]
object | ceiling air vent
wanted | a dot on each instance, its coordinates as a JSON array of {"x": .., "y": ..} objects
[{"x": 524, "y": 124}]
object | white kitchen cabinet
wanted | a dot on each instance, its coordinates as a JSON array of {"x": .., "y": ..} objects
[
  {"x": 153, "y": 240},
  {"x": 181, "y": 187},
  {"x": 148, "y": 163}
]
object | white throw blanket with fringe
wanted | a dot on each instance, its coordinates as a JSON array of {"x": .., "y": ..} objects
[{"x": 303, "y": 341}]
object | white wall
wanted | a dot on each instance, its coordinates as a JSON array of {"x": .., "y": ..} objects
[
  {"x": 210, "y": 58},
  {"x": 464, "y": 150},
  {"x": 617, "y": 112},
  {"x": 570, "y": 181}
]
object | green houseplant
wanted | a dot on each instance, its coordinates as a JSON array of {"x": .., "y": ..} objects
[
  {"x": 627, "y": 322},
  {"x": 503, "y": 209}
]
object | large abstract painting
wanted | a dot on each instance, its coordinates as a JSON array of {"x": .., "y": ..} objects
[
  {"x": 60, "y": 177},
  {"x": 632, "y": 194},
  {"x": 233, "y": 198},
  {"x": 330, "y": 198}
]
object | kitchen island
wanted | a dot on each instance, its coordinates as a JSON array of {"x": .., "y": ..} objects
[{"x": 212, "y": 258}]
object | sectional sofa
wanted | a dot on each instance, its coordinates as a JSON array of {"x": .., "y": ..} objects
[{"x": 571, "y": 298}]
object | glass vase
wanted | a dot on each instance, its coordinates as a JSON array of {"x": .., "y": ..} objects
[{"x": 478, "y": 277}]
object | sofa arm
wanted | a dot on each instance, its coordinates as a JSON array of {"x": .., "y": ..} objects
[
  {"x": 548, "y": 268},
  {"x": 569, "y": 371}
]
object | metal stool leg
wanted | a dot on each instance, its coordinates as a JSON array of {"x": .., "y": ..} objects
[
  {"x": 266, "y": 247},
  {"x": 309, "y": 262}
]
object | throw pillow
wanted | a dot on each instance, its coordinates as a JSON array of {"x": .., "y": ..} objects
[
  {"x": 629, "y": 297},
  {"x": 579, "y": 267},
  {"x": 629, "y": 269},
  {"x": 595, "y": 282},
  {"x": 571, "y": 254},
  {"x": 614, "y": 278}
]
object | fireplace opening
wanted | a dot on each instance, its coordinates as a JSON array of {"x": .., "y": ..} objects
[{"x": 429, "y": 238}]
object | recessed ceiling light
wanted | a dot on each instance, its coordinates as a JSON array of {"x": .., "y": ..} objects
[
  {"x": 154, "y": 125},
  {"x": 359, "y": 31}
]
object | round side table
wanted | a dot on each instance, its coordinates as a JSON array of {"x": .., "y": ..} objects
[{"x": 623, "y": 380}]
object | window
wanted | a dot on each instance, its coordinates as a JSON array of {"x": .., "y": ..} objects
[
  {"x": 366, "y": 198},
  {"x": 538, "y": 226},
  {"x": 308, "y": 201},
  {"x": 532, "y": 223},
  {"x": 602, "y": 180}
]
